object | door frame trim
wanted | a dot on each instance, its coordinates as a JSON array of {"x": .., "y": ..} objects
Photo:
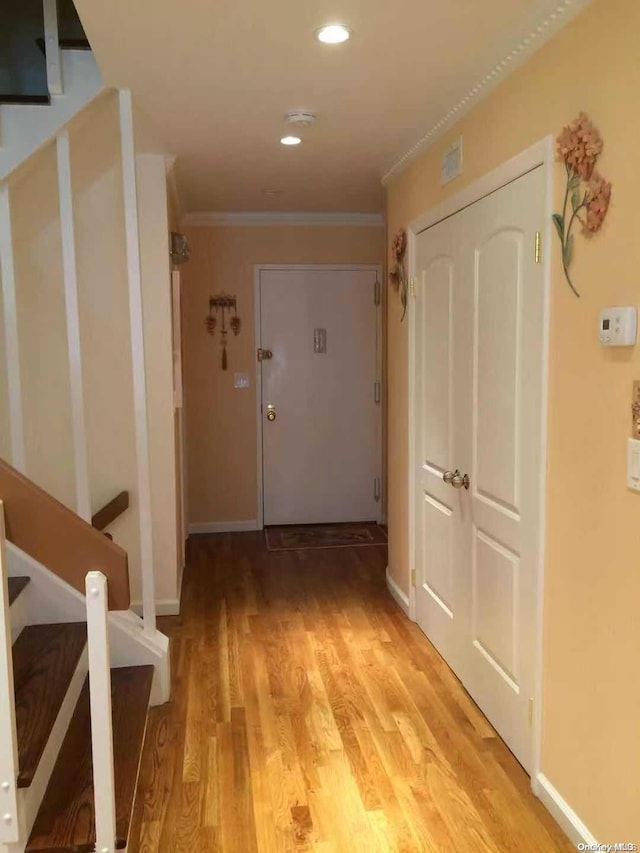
[
  {"x": 541, "y": 154},
  {"x": 257, "y": 269}
]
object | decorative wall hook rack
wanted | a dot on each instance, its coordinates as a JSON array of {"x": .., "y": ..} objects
[{"x": 219, "y": 306}]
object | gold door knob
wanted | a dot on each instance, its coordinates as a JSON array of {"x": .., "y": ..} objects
[{"x": 271, "y": 413}]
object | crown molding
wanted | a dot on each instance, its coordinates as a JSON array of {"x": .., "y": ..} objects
[
  {"x": 266, "y": 218},
  {"x": 545, "y": 30}
]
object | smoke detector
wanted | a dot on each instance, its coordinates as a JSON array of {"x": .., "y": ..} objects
[{"x": 302, "y": 118}]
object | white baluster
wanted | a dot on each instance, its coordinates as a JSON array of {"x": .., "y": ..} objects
[
  {"x": 65, "y": 193},
  {"x": 101, "y": 717},
  {"x": 12, "y": 348},
  {"x": 9, "y": 826},
  {"x": 136, "y": 320}
]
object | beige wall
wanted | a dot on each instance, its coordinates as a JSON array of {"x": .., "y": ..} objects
[
  {"x": 591, "y": 750},
  {"x": 221, "y": 421},
  {"x": 42, "y": 327}
]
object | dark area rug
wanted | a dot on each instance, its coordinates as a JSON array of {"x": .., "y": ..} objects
[{"x": 300, "y": 537}]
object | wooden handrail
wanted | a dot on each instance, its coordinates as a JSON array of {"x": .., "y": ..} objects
[
  {"x": 55, "y": 536},
  {"x": 109, "y": 512}
]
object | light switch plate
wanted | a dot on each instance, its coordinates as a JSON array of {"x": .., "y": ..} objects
[{"x": 240, "y": 380}]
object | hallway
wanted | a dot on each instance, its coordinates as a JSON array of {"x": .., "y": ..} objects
[{"x": 308, "y": 713}]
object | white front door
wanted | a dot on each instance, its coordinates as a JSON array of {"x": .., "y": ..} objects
[
  {"x": 479, "y": 379},
  {"x": 321, "y": 423}
]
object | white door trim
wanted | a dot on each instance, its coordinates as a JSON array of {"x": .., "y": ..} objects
[
  {"x": 539, "y": 155},
  {"x": 257, "y": 269}
]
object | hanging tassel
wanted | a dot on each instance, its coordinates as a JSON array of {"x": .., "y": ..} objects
[{"x": 224, "y": 358}]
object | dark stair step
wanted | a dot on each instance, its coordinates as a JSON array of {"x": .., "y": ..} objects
[
  {"x": 66, "y": 44},
  {"x": 66, "y": 820},
  {"x": 25, "y": 99},
  {"x": 45, "y": 658},
  {"x": 16, "y": 585}
]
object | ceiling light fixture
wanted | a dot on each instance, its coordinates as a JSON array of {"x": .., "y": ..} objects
[
  {"x": 291, "y": 140},
  {"x": 333, "y": 34}
]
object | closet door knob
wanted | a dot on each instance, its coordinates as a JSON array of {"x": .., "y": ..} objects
[
  {"x": 456, "y": 479},
  {"x": 460, "y": 480}
]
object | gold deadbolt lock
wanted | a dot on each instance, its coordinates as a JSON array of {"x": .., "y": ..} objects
[{"x": 271, "y": 413}]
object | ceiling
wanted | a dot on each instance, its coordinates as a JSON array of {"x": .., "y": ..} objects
[{"x": 215, "y": 78}]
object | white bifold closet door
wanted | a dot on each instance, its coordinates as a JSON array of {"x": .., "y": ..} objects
[{"x": 478, "y": 402}]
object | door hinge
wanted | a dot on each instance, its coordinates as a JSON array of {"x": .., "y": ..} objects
[
  {"x": 376, "y": 293},
  {"x": 531, "y": 711},
  {"x": 538, "y": 247},
  {"x": 376, "y": 489},
  {"x": 413, "y": 577},
  {"x": 376, "y": 392}
]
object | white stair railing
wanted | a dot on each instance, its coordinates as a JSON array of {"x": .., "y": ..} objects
[
  {"x": 12, "y": 353},
  {"x": 101, "y": 717},
  {"x": 9, "y": 824}
]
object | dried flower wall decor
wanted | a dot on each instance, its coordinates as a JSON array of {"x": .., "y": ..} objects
[
  {"x": 219, "y": 305},
  {"x": 398, "y": 274},
  {"x": 588, "y": 194}
]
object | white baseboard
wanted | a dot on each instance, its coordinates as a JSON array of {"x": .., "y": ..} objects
[
  {"x": 164, "y": 607},
  {"x": 400, "y": 598},
  {"x": 563, "y": 813},
  {"x": 223, "y": 526}
]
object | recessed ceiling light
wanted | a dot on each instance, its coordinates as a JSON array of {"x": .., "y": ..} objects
[
  {"x": 333, "y": 34},
  {"x": 291, "y": 140}
]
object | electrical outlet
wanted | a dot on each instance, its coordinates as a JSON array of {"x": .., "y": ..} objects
[{"x": 635, "y": 411}]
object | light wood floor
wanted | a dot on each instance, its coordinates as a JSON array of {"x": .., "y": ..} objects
[{"x": 308, "y": 713}]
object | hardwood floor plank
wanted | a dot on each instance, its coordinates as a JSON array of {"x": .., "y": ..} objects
[{"x": 309, "y": 714}]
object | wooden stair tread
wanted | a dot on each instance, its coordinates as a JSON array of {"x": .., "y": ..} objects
[
  {"x": 65, "y": 821},
  {"x": 45, "y": 658},
  {"x": 16, "y": 585}
]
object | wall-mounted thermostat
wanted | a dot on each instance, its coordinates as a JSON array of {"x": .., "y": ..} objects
[{"x": 618, "y": 327}]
